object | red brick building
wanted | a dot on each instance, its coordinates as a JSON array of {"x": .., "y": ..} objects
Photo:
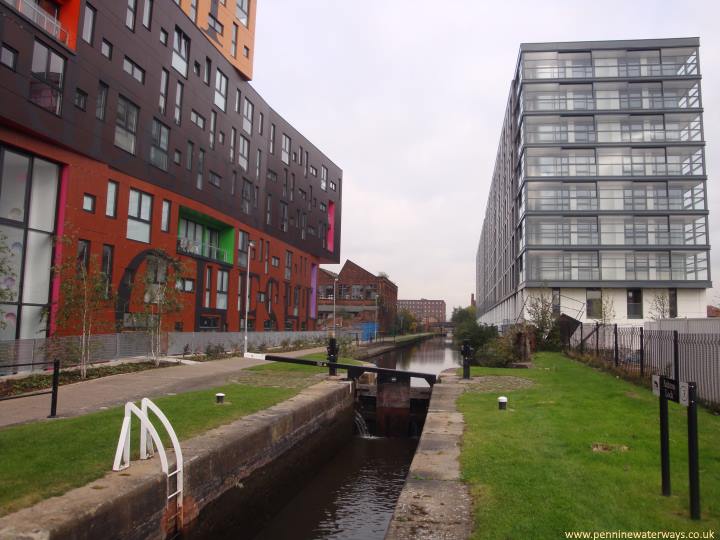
[
  {"x": 361, "y": 297},
  {"x": 426, "y": 312}
]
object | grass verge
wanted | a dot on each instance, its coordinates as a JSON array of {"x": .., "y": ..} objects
[
  {"x": 579, "y": 450},
  {"x": 44, "y": 459}
]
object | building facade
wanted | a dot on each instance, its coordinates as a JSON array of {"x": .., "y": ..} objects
[
  {"x": 426, "y": 312},
  {"x": 598, "y": 195},
  {"x": 130, "y": 128},
  {"x": 358, "y": 296}
]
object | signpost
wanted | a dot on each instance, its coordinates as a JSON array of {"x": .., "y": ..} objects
[{"x": 684, "y": 393}]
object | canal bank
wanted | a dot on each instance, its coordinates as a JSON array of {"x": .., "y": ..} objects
[
  {"x": 250, "y": 460},
  {"x": 373, "y": 350}
]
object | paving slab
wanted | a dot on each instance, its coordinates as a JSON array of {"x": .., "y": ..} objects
[{"x": 98, "y": 394}]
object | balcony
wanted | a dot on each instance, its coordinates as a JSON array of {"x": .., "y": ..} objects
[
  {"x": 187, "y": 246},
  {"x": 40, "y": 18}
]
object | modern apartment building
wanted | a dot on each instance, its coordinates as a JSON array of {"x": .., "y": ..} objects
[
  {"x": 425, "y": 311},
  {"x": 356, "y": 296},
  {"x": 598, "y": 193},
  {"x": 129, "y": 126}
]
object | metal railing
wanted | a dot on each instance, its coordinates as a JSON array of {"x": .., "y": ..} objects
[
  {"x": 209, "y": 251},
  {"x": 635, "y": 350},
  {"x": 41, "y": 18}
]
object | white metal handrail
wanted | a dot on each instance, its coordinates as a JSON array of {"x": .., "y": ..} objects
[{"x": 148, "y": 446}]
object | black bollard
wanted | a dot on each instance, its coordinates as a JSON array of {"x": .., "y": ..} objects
[
  {"x": 466, "y": 351},
  {"x": 55, "y": 388},
  {"x": 332, "y": 355}
]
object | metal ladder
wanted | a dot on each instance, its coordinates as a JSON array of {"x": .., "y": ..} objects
[{"x": 147, "y": 449}]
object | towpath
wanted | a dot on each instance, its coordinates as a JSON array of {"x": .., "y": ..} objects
[{"x": 97, "y": 394}]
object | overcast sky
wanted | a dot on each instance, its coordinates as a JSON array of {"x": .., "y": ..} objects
[{"x": 407, "y": 97}]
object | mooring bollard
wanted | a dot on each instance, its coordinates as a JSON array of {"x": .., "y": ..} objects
[
  {"x": 332, "y": 355},
  {"x": 219, "y": 398},
  {"x": 502, "y": 403},
  {"x": 466, "y": 351}
]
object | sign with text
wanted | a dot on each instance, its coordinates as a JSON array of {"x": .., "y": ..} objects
[
  {"x": 670, "y": 389},
  {"x": 656, "y": 385},
  {"x": 684, "y": 394}
]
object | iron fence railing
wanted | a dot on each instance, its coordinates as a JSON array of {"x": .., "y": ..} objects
[{"x": 635, "y": 350}]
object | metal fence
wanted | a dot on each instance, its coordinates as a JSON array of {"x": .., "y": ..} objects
[
  {"x": 643, "y": 352},
  {"x": 198, "y": 342}
]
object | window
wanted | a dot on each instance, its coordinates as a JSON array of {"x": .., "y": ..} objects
[
  {"x": 276, "y": 262},
  {"x": 333, "y": 186},
  {"x": 247, "y": 194},
  {"x": 177, "y": 157},
  {"x": 248, "y": 111},
  {"x": 243, "y": 153},
  {"x": 323, "y": 207},
  {"x": 283, "y": 216},
  {"x": 672, "y": 301},
  {"x": 258, "y": 160},
  {"x": 177, "y": 115},
  {"x": 8, "y": 57},
  {"x": 288, "y": 265},
  {"x": 89, "y": 203},
  {"x": 214, "y": 24},
  {"x": 185, "y": 284},
  {"x": 285, "y": 152},
  {"x": 165, "y": 218},
  {"x": 139, "y": 216},
  {"x": 80, "y": 99},
  {"x": 189, "y": 156},
  {"x": 272, "y": 138},
  {"x": 222, "y": 289},
  {"x": 181, "y": 52},
  {"x": 106, "y": 268},
  {"x": 46, "y": 84},
  {"x": 88, "y": 24},
  {"x": 246, "y": 52},
  {"x": 268, "y": 210},
  {"x": 313, "y": 171},
  {"x": 323, "y": 177},
  {"x": 193, "y": 10},
  {"x": 594, "y": 303},
  {"x": 101, "y": 103},
  {"x": 147, "y": 13},
  {"x": 134, "y": 70},
  {"x": 221, "y": 88},
  {"x": 243, "y": 245},
  {"x": 162, "y": 103},
  {"x": 159, "y": 145},
  {"x": 130, "y": 14},
  {"x": 201, "y": 167},
  {"x": 208, "y": 286},
  {"x": 233, "y": 142},
  {"x": 271, "y": 176},
  {"x": 106, "y": 49},
  {"x": 241, "y": 11},
  {"x": 233, "y": 42},
  {"x": 213, "y": 123},
  {"x": 196, "y": 68},
  {"x": 208, "y": 69},
  {"x": 634, "y": 304},
  {"x": 215, "y": 179},
  {"x": 111, "y": 199},
  {"x": 163, "y": 36},
  {"x": 83, "y": 255},
  {"x": 126, "y": 125},
  {"x": 197, "y": 119}
]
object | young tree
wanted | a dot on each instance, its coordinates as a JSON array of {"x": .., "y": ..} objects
[
  {"x": 607, "y": 308},
  {"x": 7, "y": 276},
  {"x": 85, "y": 293},
  {"x": 540, "y": 312},
  {"x": 405, "y": 321},
  {"x": 160, "y": 296},
  {"x": 660, "y": 306}
]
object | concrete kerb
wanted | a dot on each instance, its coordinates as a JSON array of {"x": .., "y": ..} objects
[{"x": 435, "y": 503}]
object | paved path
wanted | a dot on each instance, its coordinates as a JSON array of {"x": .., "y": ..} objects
[{"x": 89, "y": 396}]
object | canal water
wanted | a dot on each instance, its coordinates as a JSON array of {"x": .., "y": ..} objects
[{"x": 353, "y": 496}]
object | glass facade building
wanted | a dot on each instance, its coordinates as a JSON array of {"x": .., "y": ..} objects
[{"x": 599, "y": 183}]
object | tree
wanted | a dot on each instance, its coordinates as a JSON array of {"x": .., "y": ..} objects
[
  {"x": 405, "y": 321},
  {"x": 607, "y": 308},
  {"x": 660, "y": 306},
  {"x": 540, "y": 313},
  {"x": 85, "y": 293},
  {"x": 160, "y": 296},
  {"x": 7, "y": 277},
  {"x": 467, "y": 328}
]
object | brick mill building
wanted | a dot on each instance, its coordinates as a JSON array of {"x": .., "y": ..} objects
[
  {"x": 132, "y": 127},
  {"x": 427, "y": 312},
  {"x": 362, "y": 297}
]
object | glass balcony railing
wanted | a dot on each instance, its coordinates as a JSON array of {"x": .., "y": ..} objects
[
  {"x": 544, "y": 69},
  {"x": 209, "y": 251},
  {"x": 40, "y": 18},
  {"x": 549, "y": 134},
  {"x": 614, "y": 167}
]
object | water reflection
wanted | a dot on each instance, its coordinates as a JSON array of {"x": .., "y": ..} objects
[
  {"x": 431, "y": 356},
  {"x": 352, "y": 498}
]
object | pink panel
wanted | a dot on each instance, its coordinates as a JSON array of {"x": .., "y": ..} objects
[{"x": 331, "y": 227}]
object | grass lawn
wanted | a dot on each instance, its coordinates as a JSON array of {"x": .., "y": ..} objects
[
  {"x": 533, "y": 472},
  {"x": 44, "y": 459}
]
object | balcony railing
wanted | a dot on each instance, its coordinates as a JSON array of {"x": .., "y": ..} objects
[
  {"x": 616, "y": 168},
  {"x": 615, "y": 103},
  {"x": 669, "y": 67},
  {"x": 193, "y": 247},
  {"x": 41, "y": 18},
  {"x": 532, "y": 135}
]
